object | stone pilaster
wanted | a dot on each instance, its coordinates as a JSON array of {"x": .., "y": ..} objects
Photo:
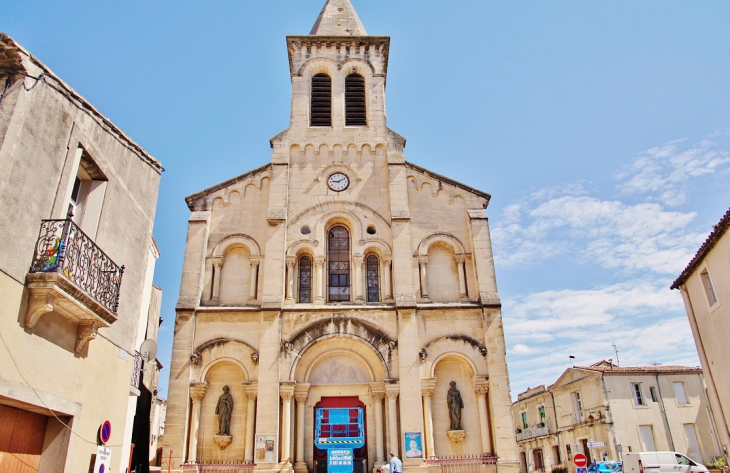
[{"x": 428, "y": 386}]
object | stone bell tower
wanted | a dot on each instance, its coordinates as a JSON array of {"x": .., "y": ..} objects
[{"x": 339, "y": 275}]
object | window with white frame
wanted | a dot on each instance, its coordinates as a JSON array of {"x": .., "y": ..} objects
[
  {"x": 87, "y": 193},
  {"x": 638, "y": 395},
  {"x": 680, "y": 393},
  {"x": 577, "y": 407},
  {"x": 709, "y": 289}
]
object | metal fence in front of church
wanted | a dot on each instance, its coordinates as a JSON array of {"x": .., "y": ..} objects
[
  {"x": 462, "y": 464},
  {"x": 218, "y": 467}
]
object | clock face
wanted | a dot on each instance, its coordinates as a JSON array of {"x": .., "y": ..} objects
[{"x": 338, "y": 182}]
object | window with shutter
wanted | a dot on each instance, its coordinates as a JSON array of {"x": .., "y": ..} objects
[
  {"x": 355, "y": 110},
  {"x": 321, "y": 105}
]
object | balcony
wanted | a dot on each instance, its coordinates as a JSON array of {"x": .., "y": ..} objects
[
  {"x": 534, "y": 431},
  {"x": 73, "y": 277}
]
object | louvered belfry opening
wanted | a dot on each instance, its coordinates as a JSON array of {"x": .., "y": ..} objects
[
  {"x": 355, "y": 110},
  {"x": 338, "y": 259},
  {"x": 321, "y": 107}
]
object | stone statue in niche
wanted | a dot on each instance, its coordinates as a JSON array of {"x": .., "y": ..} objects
[
  {"x": 223, "y": 410},
  {"x": 456, "y": 404}
]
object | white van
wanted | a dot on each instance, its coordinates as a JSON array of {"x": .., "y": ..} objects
[{"x": 660, "y": 462}]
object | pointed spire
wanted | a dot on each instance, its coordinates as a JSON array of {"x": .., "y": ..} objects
[{"x": 338, "y": 18}]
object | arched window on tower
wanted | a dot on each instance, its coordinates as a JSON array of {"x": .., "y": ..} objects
[
  {"x": 355, "y": 110},
  {"x": 338, "y": 263},
  {"x": 305, "y": 280},
  {"x": 321, "y": 104},
  {"x": 372, "y": 264}
]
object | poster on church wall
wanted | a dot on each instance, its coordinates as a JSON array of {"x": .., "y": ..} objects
[
  {"x": 414, "y": 445},
  {"x": 265, "y": 450}
]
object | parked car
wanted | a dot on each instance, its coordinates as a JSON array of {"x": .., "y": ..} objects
[
  {"x": 601, "y": 467},
  {"x": 660, "y": 462},
  {"x": 619, "y": 468}
]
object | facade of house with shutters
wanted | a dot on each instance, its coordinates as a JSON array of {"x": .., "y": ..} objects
[
  {"x": 76, "y": 287},
  {"x": 705, "y": 288},
  {"x": 339, "y": 275},
  {"x": 625, "y": 408}
]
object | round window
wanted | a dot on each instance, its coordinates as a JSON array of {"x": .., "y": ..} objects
[
  {"x": 371, "y": 230},
  {"x": 305, "y": 230}
]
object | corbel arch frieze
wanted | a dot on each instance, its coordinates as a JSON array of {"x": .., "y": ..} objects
[
  {"x": 435, "y": 187},
  {"x": 440, "y": 237},
  {"x": 212, "y": 352},
  {"x": 340, "y": 326},
  {"x": 237, "y": 239}
]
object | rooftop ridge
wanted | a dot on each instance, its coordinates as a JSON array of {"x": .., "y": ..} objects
[{"x": 338, "y": 18}]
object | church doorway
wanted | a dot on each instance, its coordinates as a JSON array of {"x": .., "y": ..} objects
[{"x": 360, "y": 455}]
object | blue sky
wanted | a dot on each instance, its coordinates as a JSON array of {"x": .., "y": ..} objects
[{"x": 601, "y": 129}]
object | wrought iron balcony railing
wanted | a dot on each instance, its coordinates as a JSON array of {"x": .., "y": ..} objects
[
  {"x": 63, "y": 248},
  {"x": 534, "y": 431}
]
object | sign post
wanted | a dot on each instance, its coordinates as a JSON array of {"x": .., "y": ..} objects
[
  {"x": 103, "y": 459},
  {"x": 580, "y": 461}
]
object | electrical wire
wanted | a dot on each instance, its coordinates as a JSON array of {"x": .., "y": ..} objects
[{"x": 41, "y": 399}]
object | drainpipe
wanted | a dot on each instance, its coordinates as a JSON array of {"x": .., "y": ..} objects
[
  {"x": 664, "y": 413},
  {"x": 710, "y": 415},
  {"x": 610, "y": 428},
  {"x": 557, "y": 428}
]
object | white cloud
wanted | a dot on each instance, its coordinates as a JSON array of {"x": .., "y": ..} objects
[
  {"x": 662, "y": 172},
  {"x": 521, "y": 349},
  {"x": 641, "y": 237}
]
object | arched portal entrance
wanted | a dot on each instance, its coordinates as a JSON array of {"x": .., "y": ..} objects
[{"x": 339, "y": 370}]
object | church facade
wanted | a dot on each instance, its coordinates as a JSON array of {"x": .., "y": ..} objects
[{"x": 339, "y": 275}]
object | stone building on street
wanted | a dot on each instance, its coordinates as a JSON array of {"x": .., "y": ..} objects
[
  {"x": 76, "y": 286},
  {"x": 338, "y": 276},
  {"x": 621, "y": 408}
]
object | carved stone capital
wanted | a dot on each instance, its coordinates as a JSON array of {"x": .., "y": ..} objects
[
  {"x": 251, "y": 390},
  {"x": 459, "y": 259},
  {"x": 319, "y": 261},
  {"x": 255, "y": 263},
  {"x": 357, "y": 260},
  {"x": 291, "y": 261},
  {"x": 428, "y": 386},
  {"x": 198, "y": 391},
  {"x": 217, "y": 262},
  {"x": 377, "y": 391},
  {"x": 301, "y": 392},
  {"x": 392, "y": 391},
  {"x": 286, "y": 390},
  {"x": 423, "y": 260},
  {"x": 481, "y": 385}
]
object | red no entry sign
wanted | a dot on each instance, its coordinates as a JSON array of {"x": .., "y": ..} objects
[{"x": 580, "y": 460}]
